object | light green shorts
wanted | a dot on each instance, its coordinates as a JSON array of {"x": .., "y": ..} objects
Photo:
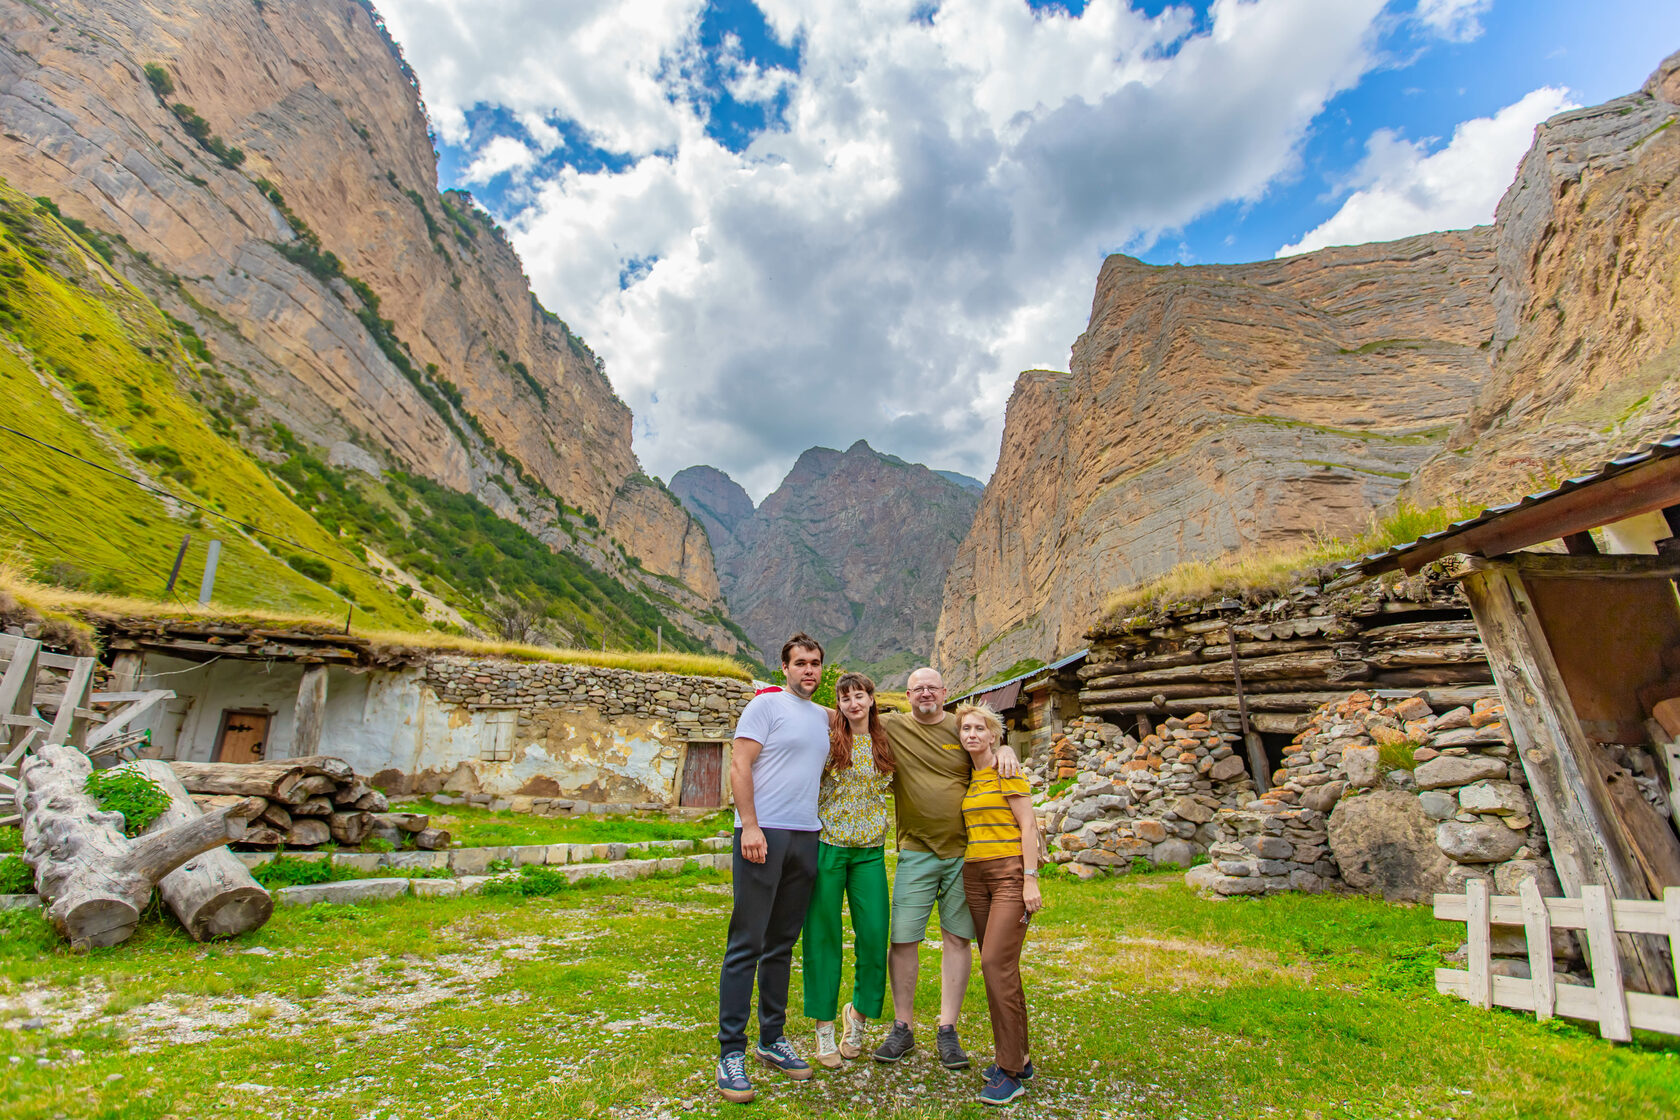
[{"x": 921, "y": 879}]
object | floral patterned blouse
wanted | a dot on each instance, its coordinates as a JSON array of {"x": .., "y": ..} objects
[{"x": 853, "y": 803}]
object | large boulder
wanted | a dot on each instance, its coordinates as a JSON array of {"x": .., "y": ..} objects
[
  {"x": 1478, "y": 842},
  {"x": 1384, "y": 844}
]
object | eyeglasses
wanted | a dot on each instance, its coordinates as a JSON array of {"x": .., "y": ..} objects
[{"x": 925, "y": 688}]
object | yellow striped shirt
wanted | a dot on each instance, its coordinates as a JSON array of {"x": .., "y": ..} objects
[{"x": 992, "y": 831}]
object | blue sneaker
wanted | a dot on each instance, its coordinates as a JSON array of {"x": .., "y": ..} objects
[
  {"x": 780, "y": 1055},
  {"x": 1026, "y": 1074},
  {"x": 732, "y": 1077},
  {"x": 1001, "y": 1090}
]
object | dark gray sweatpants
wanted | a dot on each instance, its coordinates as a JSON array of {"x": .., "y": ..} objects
[{"x": 770, "y": 903}]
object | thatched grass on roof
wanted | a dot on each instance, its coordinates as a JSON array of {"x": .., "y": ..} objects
[
  {"x": 79, "y": 610},
  {"x": 1260, "y": 572}
]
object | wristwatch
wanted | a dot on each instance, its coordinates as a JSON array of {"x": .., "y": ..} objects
[{"x": 1033, "y": 874}]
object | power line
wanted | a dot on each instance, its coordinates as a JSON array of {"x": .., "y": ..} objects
[
  {"x": 9, "y": 512},
  {"x": 247, "y": 526}
]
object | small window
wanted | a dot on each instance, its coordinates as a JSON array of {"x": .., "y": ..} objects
[{"x": 499, "y": 727}]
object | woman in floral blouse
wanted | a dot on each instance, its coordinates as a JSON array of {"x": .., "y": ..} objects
[{"x": 850, "y": 865}]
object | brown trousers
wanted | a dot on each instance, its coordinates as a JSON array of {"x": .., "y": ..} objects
[{"x": 993, "y": 887}]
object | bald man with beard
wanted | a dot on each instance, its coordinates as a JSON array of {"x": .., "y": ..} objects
[{"x": 928, "y": 788}]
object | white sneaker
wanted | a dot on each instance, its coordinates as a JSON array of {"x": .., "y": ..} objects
[
  {"x": 851, "y": 1042},
  {"x": 827, "y": 1053}
]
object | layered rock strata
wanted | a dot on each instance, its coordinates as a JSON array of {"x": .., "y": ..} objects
[
  {"x": 1222, "y": 408},
  {"x": 1209, "y": 409},
  {"x": 1586, "y": 336},
  {"x": 266, "y": 174}
]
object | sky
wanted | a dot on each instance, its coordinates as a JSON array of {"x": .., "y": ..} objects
[{"x": 787, "y": 224}]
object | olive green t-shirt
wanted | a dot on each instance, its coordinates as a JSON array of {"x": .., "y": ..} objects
[{"x": 928, "y": 784}]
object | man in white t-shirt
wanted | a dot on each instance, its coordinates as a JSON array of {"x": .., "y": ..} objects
[{"x": 781, "y": 743}]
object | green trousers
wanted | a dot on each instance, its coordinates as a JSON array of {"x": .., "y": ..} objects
[{"x": 859, "y": 876}]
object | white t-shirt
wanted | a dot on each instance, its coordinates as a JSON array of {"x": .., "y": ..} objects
[{"x": 787, "y": 775}]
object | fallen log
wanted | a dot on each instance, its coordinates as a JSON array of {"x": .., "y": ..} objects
[
  {"x": 277, "y": 816},
  {"x": 350, "y": 828},
  {"x": 431, "y": 839},
  {"x": 212, "y": 894},
  {"x": 349, "y": 794},
  {"x": 279, "y": 780},
  {"x": 94, "y": 880},
  {"x": 373, "y": 801},
  {"x": 306, "y": 832},
  {"x": 315, "y": 807},
  {"x": 407, "y": 822}
]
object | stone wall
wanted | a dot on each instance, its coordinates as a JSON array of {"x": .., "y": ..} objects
[
  {"x": 1152, "y": 799},
  {"x": 693, "y": 707}
]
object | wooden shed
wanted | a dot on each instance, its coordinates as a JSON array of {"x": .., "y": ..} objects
[{"x": 1573, "y": 593}]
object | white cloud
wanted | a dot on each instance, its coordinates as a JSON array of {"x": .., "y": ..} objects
[
  {"x": 1458, "y": 21},
  {"x": 1406, "y": 189},
  {"x": 501, "y": 155},
  {"x": 922, "y": 221}
]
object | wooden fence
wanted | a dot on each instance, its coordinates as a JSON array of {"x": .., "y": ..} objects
[{"x": 1617, "y": 1010}]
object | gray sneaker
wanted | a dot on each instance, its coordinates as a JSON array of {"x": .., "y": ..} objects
[
  {"x": 900, "y": 1041},
  {"x": 951, "y": 1054}
]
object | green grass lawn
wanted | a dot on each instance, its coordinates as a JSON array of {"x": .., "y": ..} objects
[
  {"x": 478, "y": 827},
  {"x": 601, "y": 1001}
]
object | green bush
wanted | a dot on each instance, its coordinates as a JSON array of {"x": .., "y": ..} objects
[
  {"x": 11, "y": 840},
  {"x": 138, "y": 798},
  {"x": 15, "y": 876},
  {"x": 162, "y": 84},
  {"x": 313, "y": 567},
  {"x": 533, "y": 881},
  {"x": 285, "y": 871}
]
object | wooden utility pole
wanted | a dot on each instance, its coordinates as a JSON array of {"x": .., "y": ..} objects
[{"x": 175, "y": 571}]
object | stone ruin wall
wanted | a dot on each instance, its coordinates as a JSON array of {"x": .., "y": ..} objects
[{"x": 635, "y": 727}]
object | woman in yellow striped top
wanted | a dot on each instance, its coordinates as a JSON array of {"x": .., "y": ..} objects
[{"x": 1000, "y": 877}]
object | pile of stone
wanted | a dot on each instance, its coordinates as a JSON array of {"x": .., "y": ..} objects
[
  {"x": 1151, "y": 799},
  {"x": 1269, "y": 845},
  {"x": 1418, "y": 802}
]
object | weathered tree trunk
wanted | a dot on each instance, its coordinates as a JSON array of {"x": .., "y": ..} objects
[
  {"x": 350, "y": 828},
  {"x": 290, "y": 781},
  {"x": 306, "y": 832},
  {"x": 94, "y": 879},
  {"x": 212, "y": 894},
  {"x": 408, "y": 822}
]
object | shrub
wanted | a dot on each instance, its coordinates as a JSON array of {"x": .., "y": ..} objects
[
  {"x": 285, "y": 871},
  {"x": 15, "y": 876},
  {"x": 138, "y": 798},
  {"x": 313, "y": 567},
  {"x": 533, "y": 881},
  {"x": 162, "y": 84}
]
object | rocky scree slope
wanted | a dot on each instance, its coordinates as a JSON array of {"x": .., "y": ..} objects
[
  {"x": 852, "y": 547},
  {"x": 264, "y": 173},
  {"x": 1217, "y": 408}
]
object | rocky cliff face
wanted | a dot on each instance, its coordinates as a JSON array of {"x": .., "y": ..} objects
[
  {"x": 1588, "y": 299},
  {"x": 1209, "y": 409},
  {"x": 266, "y": 174},
  {"x": 852, "y": 547},
  {"x": 1212, "y": 409}
]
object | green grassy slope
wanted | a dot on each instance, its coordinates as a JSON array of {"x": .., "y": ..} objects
[{"x": 90, "y": 366}]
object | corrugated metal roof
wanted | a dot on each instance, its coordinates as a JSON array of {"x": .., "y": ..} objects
[
  {"x": 994, "y": 686},
  {"x": 1394, "y": 557}
]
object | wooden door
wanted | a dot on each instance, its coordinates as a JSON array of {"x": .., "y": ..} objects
[
  {"x": 243, "y": 736},
  {"x": 702, "y": 785}
]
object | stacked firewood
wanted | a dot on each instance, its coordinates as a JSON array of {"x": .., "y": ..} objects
[{"x": 307, "y": 802}]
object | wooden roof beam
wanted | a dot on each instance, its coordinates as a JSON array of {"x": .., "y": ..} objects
[{"x": 1654, "y": 485}]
